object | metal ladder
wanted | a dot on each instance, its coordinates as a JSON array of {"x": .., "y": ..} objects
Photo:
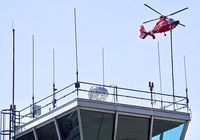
[{"x": 9, "y": 120}]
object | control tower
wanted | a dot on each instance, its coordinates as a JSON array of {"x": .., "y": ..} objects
[{"x": 89, "y": 111}]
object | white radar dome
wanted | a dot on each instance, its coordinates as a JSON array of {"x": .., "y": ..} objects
[{"x": 98, "y": 93}]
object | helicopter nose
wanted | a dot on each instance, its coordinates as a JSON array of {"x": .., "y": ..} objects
[{"x": 177, "y": 22}]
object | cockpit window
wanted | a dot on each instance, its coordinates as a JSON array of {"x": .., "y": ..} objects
[{"x": 171, "y": 20}]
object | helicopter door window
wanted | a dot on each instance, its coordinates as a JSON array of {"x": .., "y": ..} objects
[{"x": 171, "y": 20}]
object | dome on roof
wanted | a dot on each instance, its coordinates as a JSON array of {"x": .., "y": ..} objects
[{"x": 98, "y": 93}]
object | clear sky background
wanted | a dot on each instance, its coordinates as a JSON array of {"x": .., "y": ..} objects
[{"x": 114, "y": 25}]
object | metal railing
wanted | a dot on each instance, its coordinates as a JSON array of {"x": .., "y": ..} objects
[{"x": 114, "y": 94}]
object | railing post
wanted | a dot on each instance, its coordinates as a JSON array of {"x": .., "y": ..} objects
[
  {"x": 187, "y": 99},
  {"x": 0, "y": 125},
  {"x": 116, "y": 94},
  {"x": 77, "y": 85}
]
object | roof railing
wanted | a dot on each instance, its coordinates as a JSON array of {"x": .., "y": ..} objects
[{"x": 114, "y": 94}]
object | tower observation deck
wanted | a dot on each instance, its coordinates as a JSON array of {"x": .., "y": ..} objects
[{"x": 90, "y": 113}]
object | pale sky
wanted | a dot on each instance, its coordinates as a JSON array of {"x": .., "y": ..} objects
[{"x": 129, "y": 61}]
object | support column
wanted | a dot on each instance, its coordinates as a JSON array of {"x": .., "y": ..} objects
[
  {"x": 57, "y": 129},
  {"x": 116, "y": 125},
  {"x": 35, "y": 134},
  {"x": 184, "y": 130},
  {"x": 151, "y": 128},
  {"x": 80, "y": 123}
]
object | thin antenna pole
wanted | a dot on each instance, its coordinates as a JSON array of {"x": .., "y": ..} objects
[
  {"x": 33, "y": 80},
  {"x": 13, "y": 107},
  {"x": 77, "y": 85},
  {"x": 76, "y": 44},
  {"x": 13, "y": 88},
  {"x": 186, "y": 85},
  {"x": 185, "y": 74},
  {"x": 54, "y": 86},
  {"x": 103, "y": 65},
  {"x": 160, "y": 76},
  {"x": 53, "y": 66},
  {"x": 172, "y": 63}
]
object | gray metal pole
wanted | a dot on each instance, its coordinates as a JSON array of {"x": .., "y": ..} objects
[
  {"x": 186, "y": 85},
  {"x": 160, "y": 76},
  {"x": 12, "y": 117},
  {"x": 76, "y": 44},
  {"x": 54, "y": 86},
  {"x": 172, "y": 63},
  {"x": 33, "y": 80},
  {"x": 77, "y": 84},
  {"x": 13, "y": 88},
  {"x": 103, "y": 65}
]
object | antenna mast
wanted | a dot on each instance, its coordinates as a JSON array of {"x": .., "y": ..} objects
[
  {"x": 77, "y": 85},
  {"x": 103, "y": 65},
  {"x": 186, "y": 85},
  {"x": 54, "y": 85},
  {"x": 13, "y": 88},
  {"x": 160, "y": 78},
  {"x": 33, "y": 67},
  {"x": 172, "y": 63},
  {"x": 13, "y": 106}
]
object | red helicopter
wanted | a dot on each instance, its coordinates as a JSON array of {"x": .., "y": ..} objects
[{"x": 163, "y": 25}]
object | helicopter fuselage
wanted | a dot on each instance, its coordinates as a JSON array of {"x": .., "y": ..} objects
[{"x": 164, "y": 25}]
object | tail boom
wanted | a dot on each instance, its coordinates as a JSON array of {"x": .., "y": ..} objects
[{"x": 143, "y": 33}]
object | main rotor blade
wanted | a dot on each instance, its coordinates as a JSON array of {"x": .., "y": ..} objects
[
  {"x": 178, "y": 11},
  {"x": 182, "y": 24},
  {"x": 150, "y": 20},
  {"x": 153, "y": 9}
]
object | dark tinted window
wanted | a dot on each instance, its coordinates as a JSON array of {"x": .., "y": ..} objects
[
  {"x": 97, "y": 125},
  {"x": 132, "y": 128},
  {"x": 28, "y": 136},
  {"x": 69, "y": 127},
  {"x": 47, "y": 132}
]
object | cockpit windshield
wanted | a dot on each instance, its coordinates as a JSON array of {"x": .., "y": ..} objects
[{"x": 170, "y": 20}]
